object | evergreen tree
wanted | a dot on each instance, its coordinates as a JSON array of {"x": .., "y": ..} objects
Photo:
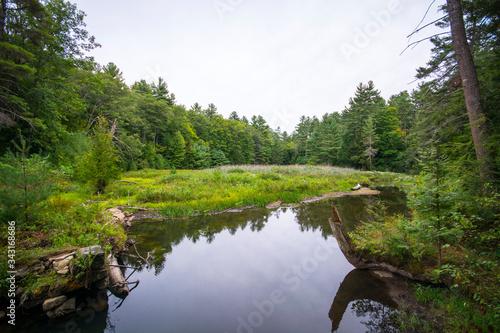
[
  {"x": 366, "y": 103},
  {"x": 177, "y": 150},
  {"x": 370, "y": 140},
  {"x": 100, "y": 165},
  {"x": 25, "y": 181},
  {"x": 390, "y": 140},
  {"x": 218, "y": 158}
]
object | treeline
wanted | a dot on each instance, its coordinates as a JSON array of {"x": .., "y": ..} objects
[{"x": 52, "y": 94}]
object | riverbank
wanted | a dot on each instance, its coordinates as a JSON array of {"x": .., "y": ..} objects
[{"x": 460, "y": 294}]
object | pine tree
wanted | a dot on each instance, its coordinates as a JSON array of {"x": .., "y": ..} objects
[
  {"x": 370, "y": 141},
  {"x": 366, "y": 103},
  {"x": 100, "y": 165},
  {"x": 391, "y": 140},
  {"x": 24, "y": 182},
  {"x": 177, "y": 150}
]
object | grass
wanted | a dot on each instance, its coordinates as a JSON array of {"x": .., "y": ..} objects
[{"x": 443, "y": 309}]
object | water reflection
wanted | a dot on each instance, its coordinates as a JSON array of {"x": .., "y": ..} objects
[{"x": 369, "y": 295}]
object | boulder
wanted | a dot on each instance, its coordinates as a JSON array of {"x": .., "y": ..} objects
[
  {"x": 51, "y": 303},
  {"x": 66, "y": 308},
  {"x": 94, "y": 250}
]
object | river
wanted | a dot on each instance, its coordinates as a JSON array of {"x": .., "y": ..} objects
[{"x": 258, "y": 270}]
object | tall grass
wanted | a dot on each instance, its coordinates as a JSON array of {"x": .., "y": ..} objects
[{"x": 202, "y": 192}]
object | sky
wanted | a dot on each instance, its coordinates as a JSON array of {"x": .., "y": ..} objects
[{"x": 276, "y": 58}]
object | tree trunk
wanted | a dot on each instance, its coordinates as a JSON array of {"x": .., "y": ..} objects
[
  {"x": 3, "y": 16},
  {"x": 470, "y": 82}
]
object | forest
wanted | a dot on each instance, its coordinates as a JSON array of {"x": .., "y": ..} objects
[
  {"x": 52, "y": 93},
  {"x": 64, "y": 114}
]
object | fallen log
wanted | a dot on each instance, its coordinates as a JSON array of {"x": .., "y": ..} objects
[{"x": 117, "y": 284}]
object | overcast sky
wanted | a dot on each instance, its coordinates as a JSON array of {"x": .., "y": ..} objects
[{"x": 275, "y": 58}]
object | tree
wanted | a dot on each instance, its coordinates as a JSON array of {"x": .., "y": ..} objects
[
  {"x": 25, "y": 181},
  {"x": 234, "y": 116},
  {"x": 160, "y": 91},
  {"x": 366, "y": 103},
  {"x": 370, "y": 141},
  {"x": 176, "y": 150},
  {"x": 218, "y": 158},
  {"x": 472, "y": 93},
  {"x": 100, "y": 165},
  {"x": 202, "y": 159},
  {"x": 16, "y": 60},
  {"x": 432, "y": 198},
  {"x": 390, "y": 140}
]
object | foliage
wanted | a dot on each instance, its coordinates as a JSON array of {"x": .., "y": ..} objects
[
  {"x": 24, "y": 182},
  {"x": 99, "y": 166},
  {"x": 451, "y": 311}
]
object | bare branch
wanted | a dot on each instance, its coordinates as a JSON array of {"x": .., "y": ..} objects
[
  {"x": 418, "y": 42},
  {"x": 423, "y": 18},
  {"x": 425, "y": 26}
]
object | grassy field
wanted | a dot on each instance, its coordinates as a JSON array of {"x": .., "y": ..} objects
[{"x": 204, "y": 192}]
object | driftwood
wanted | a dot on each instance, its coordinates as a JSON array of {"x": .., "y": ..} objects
[
  {"x": 117, "y": 284},
  {"x": 347, "y": 247},
  {"x": 123, "y": 266},
  {"x": 128, "y": 182},
  {"x": 130, "y": 207}
]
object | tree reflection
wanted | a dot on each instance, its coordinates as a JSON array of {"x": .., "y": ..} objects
[
  {"x": 159, "y": 238},
  {"x": 364, "y": 288},
  {"x": 380, "y": 317}
]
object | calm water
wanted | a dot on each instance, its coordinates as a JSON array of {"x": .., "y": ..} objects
[{"x": 255, "y": 271}]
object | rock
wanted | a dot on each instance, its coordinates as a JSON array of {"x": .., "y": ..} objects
[
  {"x": 117, "y": 214},
  {"x": 65, "y": 262},
  {"x": 51, "y": 303},
  {"x": 63, "y": 271},
  {"x": 92, "y": 250},
  {"x": 62, "y": 264},
  {"x": 19, "y": 292},
  {"x": 28, "y": 305},
  {"x": 97, "y": 270},
  {"x": 66, "y": 308},
  {"x": 383, "y": 274},
  {"x": 274, "y": 205}
]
